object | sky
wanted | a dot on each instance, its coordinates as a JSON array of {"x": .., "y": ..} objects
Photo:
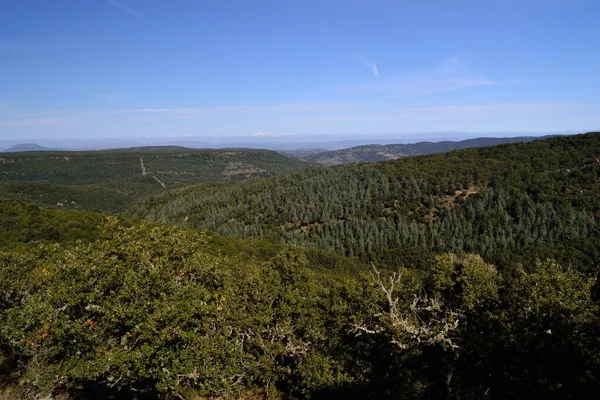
[{"x": 261, "y": 69}]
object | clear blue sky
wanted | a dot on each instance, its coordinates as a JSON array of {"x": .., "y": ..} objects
[{"x": 267, "y": 68}]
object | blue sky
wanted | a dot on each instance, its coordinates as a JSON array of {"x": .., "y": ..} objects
[{"x": 287, "y": 68}]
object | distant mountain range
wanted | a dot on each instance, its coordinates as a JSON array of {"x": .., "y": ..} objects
[
  {"x": 27, "y": 147},
  {"x": 302, "y": 141},
  {"x": 324, "y": 156},
  {"x": 376, "y": 152}
]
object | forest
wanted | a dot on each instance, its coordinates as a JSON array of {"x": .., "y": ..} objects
[
  {"x": 107, "y": 180},
  {"x": 508, "y": 203},
  {"x": 470, "y": 274}
]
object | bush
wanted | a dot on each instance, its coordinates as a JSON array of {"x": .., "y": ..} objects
[{"x": 150, "y": 310}]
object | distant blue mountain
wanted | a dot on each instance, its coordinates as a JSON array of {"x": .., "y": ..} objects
[
  {"x": 376, "y": 152},
  {"x": 27, "y": 147}
]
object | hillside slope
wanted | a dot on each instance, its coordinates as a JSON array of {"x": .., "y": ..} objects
[
  {"x": 502, "y": 202},
  {"x": 101, "y": 307},
  {"x": 106, "y": 180},
  {"x": 375, "y": 152},
  {"x": 170, "y": 165}
]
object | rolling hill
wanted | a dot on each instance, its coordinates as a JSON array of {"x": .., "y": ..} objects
[
  {"x": 375, "y": 152},
  {"x": 106, "y": 180},
  {"x": 501, "y": 202}
]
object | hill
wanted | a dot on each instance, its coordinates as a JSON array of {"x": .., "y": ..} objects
[
  {"x": 507, "y": 203},
  {"x": 26, "y": 147},
  {"x": 374, "y": 152},
  {"x": 170, "y": 165},
  {"x": 106, "y": 180}
]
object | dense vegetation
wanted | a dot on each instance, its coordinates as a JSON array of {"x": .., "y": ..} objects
[
  {"x": 22, "y": 225},
  {"x": 467, "y": 275},
  {"x": 108, "y": 180},
  {"x": 375, "y": 152},
  {"x": 507, "y": 203},
  {"x": 150, "y": 310}
]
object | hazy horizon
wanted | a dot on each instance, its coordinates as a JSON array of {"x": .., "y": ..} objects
[{"x": 329, "y": 142}]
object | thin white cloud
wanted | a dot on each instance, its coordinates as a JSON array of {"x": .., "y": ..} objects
[
  {"x": 123, "y": 7},
  {"x": 373, "y": 66},
  {"x": 366, "y": 118},
  {"x": 439, "y": 16},
  {"x": 273, "y": 135},
  {"x": 42, "y": 122},
  {"x": 14, "y": 118},
  {"x": 451, "y": 75},
  {"x": 313, "y": 107},
  {"x": 497, "y": 107},
  {"x": 232, "y": 110}
]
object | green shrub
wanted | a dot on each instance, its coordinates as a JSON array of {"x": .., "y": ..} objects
[{"x": 151, "y": 310}]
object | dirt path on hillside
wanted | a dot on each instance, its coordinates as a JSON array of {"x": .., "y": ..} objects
[
  {"x": 143, "y": 168},
  {"x": 159, "y": 181}
]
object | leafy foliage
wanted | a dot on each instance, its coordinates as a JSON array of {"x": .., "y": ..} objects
[
  {"x": 150, "y": 310},
  {"x": 156, "y": 309},
  {"x": 28, "y": 224}
]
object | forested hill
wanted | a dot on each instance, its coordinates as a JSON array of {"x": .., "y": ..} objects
[
  {"x": 375, "y": 152},
  {"x": 95, "y": 307},
  {"x": 169, "y": 164},
  {"x": 508, "y": 202},
  {"x": 106, "y": 180}
]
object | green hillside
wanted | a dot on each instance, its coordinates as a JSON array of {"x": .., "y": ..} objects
[
  {"x": 505, "y": 203},
  {"x": 107, "y": 180},
  {"x": 97, "y": 307}
]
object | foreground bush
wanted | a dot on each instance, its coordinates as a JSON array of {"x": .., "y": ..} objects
[
  {"x": 155, "y": 311},
  {"x": 150, "y": 310}
]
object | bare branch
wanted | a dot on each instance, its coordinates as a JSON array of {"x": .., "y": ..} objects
[{"x": 424, "y": 321}]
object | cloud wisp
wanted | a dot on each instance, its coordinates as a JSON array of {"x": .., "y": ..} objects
[
  {"x": 373, "y": 66},
  {"x": 274, "y": 135},
  {"x": 11, "y": 117},
  {"x": 234, "y": 110},
  {"x": 499, "y": 107},
  {"x": 124, "y": 8},
  {"x": 451, "y": 75},
  {"x": 277, "y": 121}
]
